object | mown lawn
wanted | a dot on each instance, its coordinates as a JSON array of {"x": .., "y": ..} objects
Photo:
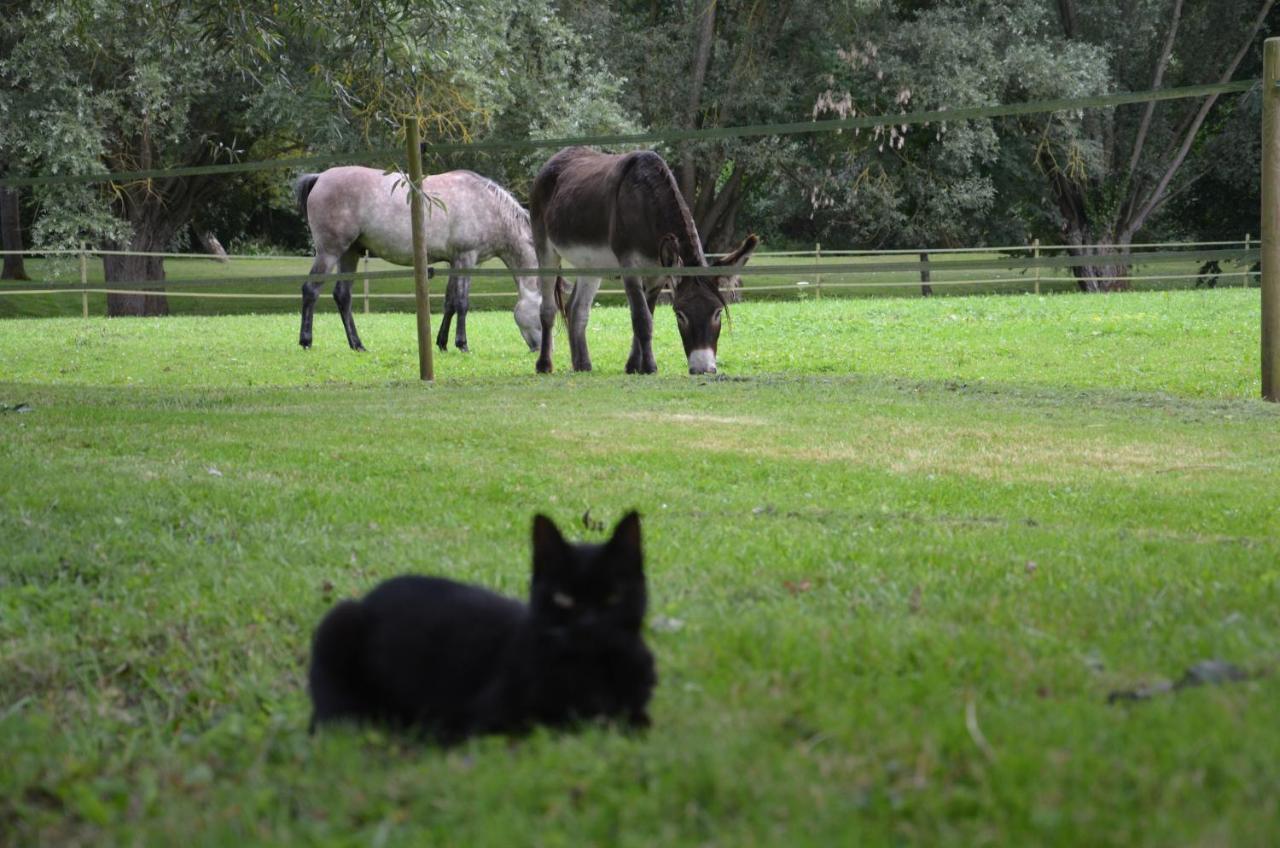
[{"x": 899, "y": 555}]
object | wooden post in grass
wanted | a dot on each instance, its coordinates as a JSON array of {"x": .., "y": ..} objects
[
  {"x": 1035, "y": 254},
  {"x": 84, "y": 282},
  {"x": 366, "y": 282},
  {"x": 1271, "y": 220},
  {"x": 421, "y": 270},
  {"x": 817, "y": 258}
]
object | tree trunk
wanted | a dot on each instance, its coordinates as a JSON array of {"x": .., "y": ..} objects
[
  {"x": 925, "y": 289},
  {"x": 11, "y": 235},
  {"x": 155, "y": 215},
  {"x": 702, "y": 58},
  {"x": 1108, "y": 272},
  {"x": 131, "y": 271}
]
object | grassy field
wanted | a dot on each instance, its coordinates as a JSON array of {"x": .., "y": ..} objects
[
  {"x": 899, "y": 554},
  {"x": 252, "y": 276}
]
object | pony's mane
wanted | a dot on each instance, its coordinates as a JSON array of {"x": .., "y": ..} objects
[{"x": 513, "y": 214}]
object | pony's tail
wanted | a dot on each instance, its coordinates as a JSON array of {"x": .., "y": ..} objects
[{"x": 302, "y": 190}]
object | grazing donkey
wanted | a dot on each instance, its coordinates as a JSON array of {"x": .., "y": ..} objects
[
  {"x": 625, "y": 211},
  {"x": 353, "y": 208}
]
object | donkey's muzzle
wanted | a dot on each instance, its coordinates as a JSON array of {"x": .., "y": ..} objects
[{"x": 702, "y": 361}]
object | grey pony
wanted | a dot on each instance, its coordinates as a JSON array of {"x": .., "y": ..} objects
[{"x": 351, "y": 209}]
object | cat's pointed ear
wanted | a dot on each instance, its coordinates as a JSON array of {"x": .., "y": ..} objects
[
  {"x": 624, "y": 545},
  {"x": 548, "y": 545}
]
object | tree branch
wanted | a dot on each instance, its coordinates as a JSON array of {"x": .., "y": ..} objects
[
  {"x": 1067, "y": 14},
  {"x": 1155, "y": 198},
  {"x": 1161, "y": 64},
  {"x": 706, "y": 35}
]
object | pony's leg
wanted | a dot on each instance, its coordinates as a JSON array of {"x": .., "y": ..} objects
[
  {"x": 641, "y": 360},
  {"x": 450, "y": 304},
  {"x": 342, "y": 296},
  {"x": 462, "y": 303},
  {"x": 577, "y": 313},
  {"x": 310, "y": 294}
]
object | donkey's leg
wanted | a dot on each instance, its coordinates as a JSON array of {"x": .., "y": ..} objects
[
  {"x": 342, "y": 296},
  {"x": 311, "y": 293},
  {"x": 641, "y": 360},
  {"x": 450, "y": 304},
  {"x": 651, "y": 293},
  {"x": 547, "y": 258},
  {"x": 579, "y": 313}
]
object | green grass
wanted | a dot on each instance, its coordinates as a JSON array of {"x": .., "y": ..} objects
[
  {"x": 250, "y": 276},
  {"x": 898, "y": 557}
]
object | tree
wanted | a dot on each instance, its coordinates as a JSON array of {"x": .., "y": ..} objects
[
  {"x": 1098, "y": 177},
  {"x": 711, "y": 63},
  {"x": 1132, "y": 168},
  {"x": 106, "y": 86},
  {"x": 11, "y": 235}
]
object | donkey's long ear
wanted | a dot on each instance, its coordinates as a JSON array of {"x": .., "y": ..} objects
[
  {"x": 669, "y": 251},
  {"x": 740, "y": 256},
  {"x": 548, "y": 546},
  {"x": 624, "y": 546}
]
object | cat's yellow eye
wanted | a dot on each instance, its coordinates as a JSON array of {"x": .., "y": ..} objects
[{"x": 562, "y": 600}]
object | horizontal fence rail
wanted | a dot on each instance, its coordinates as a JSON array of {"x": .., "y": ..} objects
[
  {"x": 1016, "y": 269},
  {"x": 798, "y": 286},
  {"x": 869, "y": 251},
  {"x": 665, "y": 135},
  {"x": 934, "y": 266}
]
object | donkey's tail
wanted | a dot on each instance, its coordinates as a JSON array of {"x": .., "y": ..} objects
[
  {"x": 562, "y": 302},
  {"x": 302, "y": 190}
]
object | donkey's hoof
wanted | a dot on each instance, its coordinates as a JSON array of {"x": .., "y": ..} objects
[
  {"x": 544, "y": 366},
  {"x": 358, "y": 348},
  {"x": 444, "y": 348},
  {"x": 642, "y": 367},
  {"x": 463, "y": 348},
  {"x": 305, "y": 344}
]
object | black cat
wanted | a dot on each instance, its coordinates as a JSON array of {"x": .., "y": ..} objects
[{"x": 453, "y": 660}]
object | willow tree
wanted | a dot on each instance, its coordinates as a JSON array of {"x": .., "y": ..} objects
[
  {"x": 1093, "y": 178},
  {"x": 703, "y": 64},
  {"x": 1114, "y": 170},
  {"x": 113, "y": 87}
]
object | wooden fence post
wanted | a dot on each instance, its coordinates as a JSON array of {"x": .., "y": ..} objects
[
  {"x": 1035, "y": 254},
  {"x": 84, "y": 282},
  {"x": 421, "y": 270},
  {"x": 1271, "y": 220},
  {"x": 925, "y": 278},
  {"x": 817, "y": 259},
  {"x": 366, "y": 282},
  {"x": 1248, "y": 242}
]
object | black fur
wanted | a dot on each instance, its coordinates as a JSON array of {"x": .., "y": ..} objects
[{"x": 452, "y": 660}]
